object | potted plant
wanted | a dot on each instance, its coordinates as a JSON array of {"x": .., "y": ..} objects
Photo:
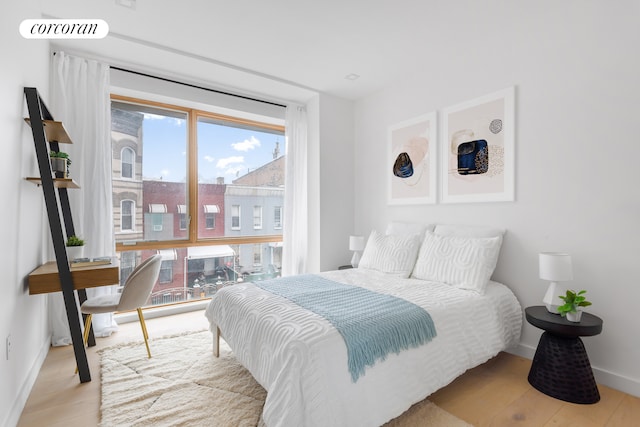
[
  {"x": 60, "y": 162},
  {"x": 75, "y": 248},
  {"x": 573, "y": 301}
]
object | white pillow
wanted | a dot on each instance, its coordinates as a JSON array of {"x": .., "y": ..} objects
[
  {"x": 408, "y": 228},
  {"x": 463, "y": 262},
  {"x": 391, "y": 254}
]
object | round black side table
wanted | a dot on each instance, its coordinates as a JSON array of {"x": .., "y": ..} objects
[{"x": 561, "y": 367}]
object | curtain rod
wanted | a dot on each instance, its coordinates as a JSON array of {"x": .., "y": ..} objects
[{"x": 197, "y": 87}]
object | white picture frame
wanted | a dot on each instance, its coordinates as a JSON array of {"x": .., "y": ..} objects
[
  {"x": 412, "y": 161},
  {"x": 478, "y": 149}
]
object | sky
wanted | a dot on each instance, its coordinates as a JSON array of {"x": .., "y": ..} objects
[{"x": 222, "y": 151}]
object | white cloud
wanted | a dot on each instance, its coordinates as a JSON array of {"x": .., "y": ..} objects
[
  {"x": 165, "y": 172},
  {"x": 209, "y": 158},
  {"x": 247, "y": 144},
  {"x": 223, "y": 163}
]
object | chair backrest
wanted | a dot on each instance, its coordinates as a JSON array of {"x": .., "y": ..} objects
[{"x": 138, "y": 286}]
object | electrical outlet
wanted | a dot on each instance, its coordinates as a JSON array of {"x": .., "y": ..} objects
[{"x": 8, "y": 345}]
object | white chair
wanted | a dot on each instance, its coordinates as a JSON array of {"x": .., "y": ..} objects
[{"x": 135, "y": 294}]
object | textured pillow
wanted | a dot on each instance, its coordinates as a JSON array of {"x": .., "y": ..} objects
[
  {"x": 464, "y": 262},
  {"x": 394, "y": 255}
]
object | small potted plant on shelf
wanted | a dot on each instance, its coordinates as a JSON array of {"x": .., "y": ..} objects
[
  {"x": 573, "y": 301},
  {"x": 60, "y": 163},
  {"x": 75, "y": 248}
]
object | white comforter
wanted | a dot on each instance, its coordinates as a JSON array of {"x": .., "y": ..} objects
[{"x": 301, "y": 360}]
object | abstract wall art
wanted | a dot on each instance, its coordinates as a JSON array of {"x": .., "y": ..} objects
[
  {"x": 411, "y": 161},
  {"x": 477, "y": 160}
]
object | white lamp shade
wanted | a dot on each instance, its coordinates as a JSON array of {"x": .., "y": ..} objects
[
  {"x": 555, "y": 266},
  {"x": 356, "y": 243}
]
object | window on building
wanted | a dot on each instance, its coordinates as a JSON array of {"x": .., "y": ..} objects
[
  {"x": 182, "y": 217},
  {"x": 210, "y": 220},
  {"x": 210, "y": 212},
  {"x": 257, "y": 255},
  {"x": 166, "y": 272},
  {"x": 128, "y": 158},
  {"x": 257, "y": 217},
  {"x": 277, "y": 217},
  {"x": 235, "y": 217},
  {"x": 127, "y": 210},
  {"x": 127, "y": 264},
  {"x": 190, "y": 175}
]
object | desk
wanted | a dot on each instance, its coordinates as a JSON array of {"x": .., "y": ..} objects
[
  {"x": 45, "y": 279},
  {"x": 561, "y": 367}
]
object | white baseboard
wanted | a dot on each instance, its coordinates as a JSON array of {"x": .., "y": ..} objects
[
  {"x": 604, "y": 377},
  {"x": 153, "y": 312},
  {"x": 23, "y": 395}
]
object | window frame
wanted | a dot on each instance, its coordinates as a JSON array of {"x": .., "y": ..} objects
[
  {"x": 277, "y": 213},
  {"x": 257, "y": 217},
  {"x": 132, "y": 215},
  {"x": 193, "y": 114},
  {"x": 209, "y": 217},
  {"x": 133, "y": 163},
  {"x": 239, "y": 216}
]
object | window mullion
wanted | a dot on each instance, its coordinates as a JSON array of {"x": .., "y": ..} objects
[{"x": 192, "y": 168}]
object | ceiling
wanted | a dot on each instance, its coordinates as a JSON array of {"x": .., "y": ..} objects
[{"x": 310, "y": 45}]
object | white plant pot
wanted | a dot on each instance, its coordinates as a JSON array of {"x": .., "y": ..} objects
[
  {"x": 74, "y": 252},
  {"x": 574, "y": 317}
]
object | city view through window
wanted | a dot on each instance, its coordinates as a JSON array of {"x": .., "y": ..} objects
[{"x": 204, "y": 191}]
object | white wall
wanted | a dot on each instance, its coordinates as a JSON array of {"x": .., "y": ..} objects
[
  {"x": 576, "y": 72},
  {"x": 23, "y": 317},
  {"x": 336, "y": 159}
]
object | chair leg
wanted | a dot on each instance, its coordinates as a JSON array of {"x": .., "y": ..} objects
[
  {"x": 144, "y": 330},
  {"x": 85, "y": 335},
  {"x": 87, "y": 328}
]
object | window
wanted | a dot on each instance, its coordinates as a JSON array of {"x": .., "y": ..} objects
[
  {"x": 127, "y": 264},
  {"x": 127, "y": 209},
  {"x": 210, "y": 221},
  {"x": 128, "y": 157},
  {"x": 210, "y": 212},
  {"x": 190, "y": 175},
  {"x": 182, "y": 217},
  {"x": 277, "y": 217},
  {"x": 235, "y": 217},
  {"x": 166, "y": 272},
  {"x": 257, "y": 217},
  {"x": 157, "y": 221},
  {"x": 257, "y": 255}
]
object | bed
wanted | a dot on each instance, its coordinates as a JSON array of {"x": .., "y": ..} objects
[{"x": 301, "y": 359}]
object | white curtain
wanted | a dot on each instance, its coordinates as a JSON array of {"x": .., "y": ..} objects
[
  {"x": 80, "y": 99},
  {"x": 295, "y": 229}
]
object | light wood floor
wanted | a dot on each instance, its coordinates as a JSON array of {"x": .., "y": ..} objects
[{"x": 494, "y": 394}]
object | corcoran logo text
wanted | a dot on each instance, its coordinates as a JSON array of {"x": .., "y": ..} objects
[{"x": 64, "y": 28}]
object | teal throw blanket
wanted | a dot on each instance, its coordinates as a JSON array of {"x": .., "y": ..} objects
[{"x": 371, "y": 324}]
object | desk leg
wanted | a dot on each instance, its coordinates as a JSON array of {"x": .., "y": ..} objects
[
  {"x": 82, "y": 297},
  {"x": 561, "y": 369}
]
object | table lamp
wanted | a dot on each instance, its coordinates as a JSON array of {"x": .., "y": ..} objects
[
  {"x": 555, "y": 267},
  {"x": 356, "y": 244}
]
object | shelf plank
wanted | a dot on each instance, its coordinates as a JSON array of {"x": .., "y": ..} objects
[
  {"x": 57, "y": 182},
  {"x": 45, "y": 278},
  {"x": 55, "y": 131}
]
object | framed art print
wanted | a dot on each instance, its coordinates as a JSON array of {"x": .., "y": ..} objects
[
  {"x": 478, "y": 149},
  {"x": 411, "y": 161}
]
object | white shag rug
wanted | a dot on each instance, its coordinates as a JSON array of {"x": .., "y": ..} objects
[{"x": 183, "y": 384}]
